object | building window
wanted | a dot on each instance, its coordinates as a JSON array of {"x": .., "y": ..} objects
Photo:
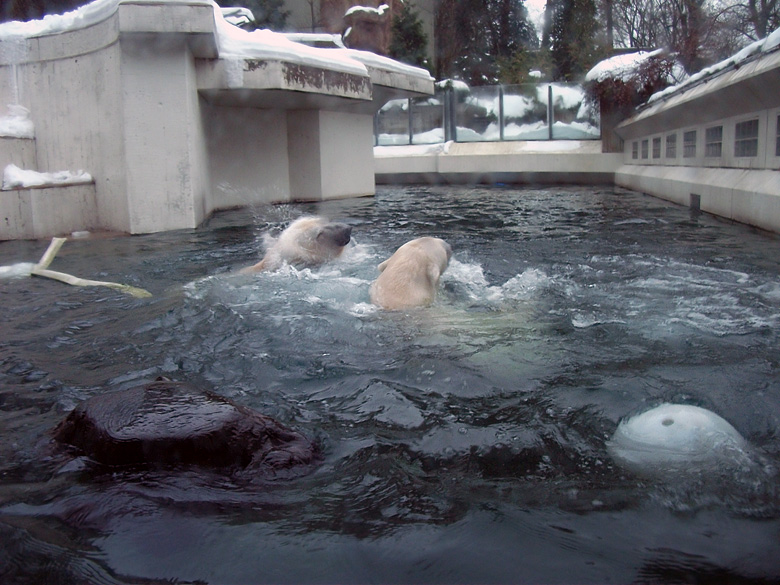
[
  {"x": 689, "y": 144},
  {"x": 746, "y": 138},
  {"x": 635, "y": 150},
  {"x": 671, "y": 146},
  {"x": 656, "y": 148},
  {"x": 645, "y": 148},
  {"x": 713, "y": 142}
]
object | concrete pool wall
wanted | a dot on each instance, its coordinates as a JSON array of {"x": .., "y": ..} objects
[
  {"x": 173, "y": 118},
  {"x": 713, "y": 145},
  {"x": 537, "y": 162}
]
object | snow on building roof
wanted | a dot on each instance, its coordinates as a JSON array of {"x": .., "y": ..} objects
[{"x": 763, "y": 46}]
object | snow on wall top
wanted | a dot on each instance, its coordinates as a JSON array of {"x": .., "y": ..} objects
[
  {"x": 83, "y": 16},
  {"x": 233, "y": 42}
]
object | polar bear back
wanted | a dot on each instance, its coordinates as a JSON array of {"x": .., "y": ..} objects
[{"x": 410, "y": 277}]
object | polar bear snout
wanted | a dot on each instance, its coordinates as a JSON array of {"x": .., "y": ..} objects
[{"x": 337, "y": 233}]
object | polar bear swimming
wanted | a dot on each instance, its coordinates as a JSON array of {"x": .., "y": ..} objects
[
  {"x": 410, "y": 277},
  {"x": 308, "y": 241}
]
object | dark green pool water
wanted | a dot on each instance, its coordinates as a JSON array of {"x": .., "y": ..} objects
[{"x": 462, "y": 443}]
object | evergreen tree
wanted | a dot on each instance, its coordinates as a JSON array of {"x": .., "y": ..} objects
[
  {"x": 571, "y": 37},
  {"x": 409, "y": 41},
  {"x": 483, "y": 41}
]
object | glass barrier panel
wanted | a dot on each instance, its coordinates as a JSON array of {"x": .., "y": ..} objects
[
  {"x": 489, "y": 113},
  {"x": 477, "y": 114},
  {"x": 574, "y": 117},
  {"x": 392, "y": 123},
  {"x": 525, "y": 113},
  {"x": 428, "y": 120}
]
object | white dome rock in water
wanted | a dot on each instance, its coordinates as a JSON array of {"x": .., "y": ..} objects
[{"x": 676, "y": 437}]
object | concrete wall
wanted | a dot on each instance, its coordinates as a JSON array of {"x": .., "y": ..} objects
[
  {"x": 247, "y": 156},
  {"x": 164, "y": 140},
  {"x": 347, "y": 157},
  {"x": 77, "y": 129},
  {"x": 333, "y": 151},
  {"x": 41, "y": 212},
  {"x": 18, "y": 151},
  {"x": 717, "y": 175}
]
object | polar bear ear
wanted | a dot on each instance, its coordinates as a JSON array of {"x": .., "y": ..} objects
[{"x": 383, "y": 265}]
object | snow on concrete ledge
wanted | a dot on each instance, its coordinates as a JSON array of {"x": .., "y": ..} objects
[
  {"x": 232, "y": 41},
  {"x": 17, "y": 123},
  {"x": 16, "y": 178}
]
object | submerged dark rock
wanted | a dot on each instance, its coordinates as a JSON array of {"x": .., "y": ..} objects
[{"x": 166, "y": 423}]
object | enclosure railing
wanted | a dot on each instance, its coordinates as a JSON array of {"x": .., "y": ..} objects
[{"x": 546, "y": 111}]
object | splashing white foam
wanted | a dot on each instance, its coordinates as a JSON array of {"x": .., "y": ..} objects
[{"x": 18, "y": 270}]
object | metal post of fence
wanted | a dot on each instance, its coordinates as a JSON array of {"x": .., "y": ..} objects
[
  {"x": 550, "y": 112},
  {"x": 450, "y": 123},
  {"x": 501, "y": 112},
  {"x": 445, "y": 117},
  {"x": 454, "y": 116},
  {"x": 411, "y": 122}
]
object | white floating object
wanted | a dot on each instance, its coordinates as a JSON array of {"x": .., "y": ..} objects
[{"x": 675, "y": 437}]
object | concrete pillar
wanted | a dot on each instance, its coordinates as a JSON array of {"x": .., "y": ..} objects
[
  {"x": 247, "y": 152},
  {"x": 166, "y": 165},
  {"x": 330, "y": 153}
]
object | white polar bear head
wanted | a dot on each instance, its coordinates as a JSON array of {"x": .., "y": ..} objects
[
  {"x": 308, "y": 241},
  {"x": 410, "y": 277}
]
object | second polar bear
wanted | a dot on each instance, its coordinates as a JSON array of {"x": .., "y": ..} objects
[
  {"x": 308, "y": 241},
  {"x": 410, "y": 277}
]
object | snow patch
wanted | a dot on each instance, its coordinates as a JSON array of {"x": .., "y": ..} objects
[
  {"x": 621, "y": 67},
  {"x": 16, "y": 178},
  {"x": 368, "y": 10},
  {"x": 82, "y": 17},
  {"x": 17, "y": 123}
]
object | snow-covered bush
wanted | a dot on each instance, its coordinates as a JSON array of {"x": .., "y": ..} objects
[{"x": 625, "y": 81}]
